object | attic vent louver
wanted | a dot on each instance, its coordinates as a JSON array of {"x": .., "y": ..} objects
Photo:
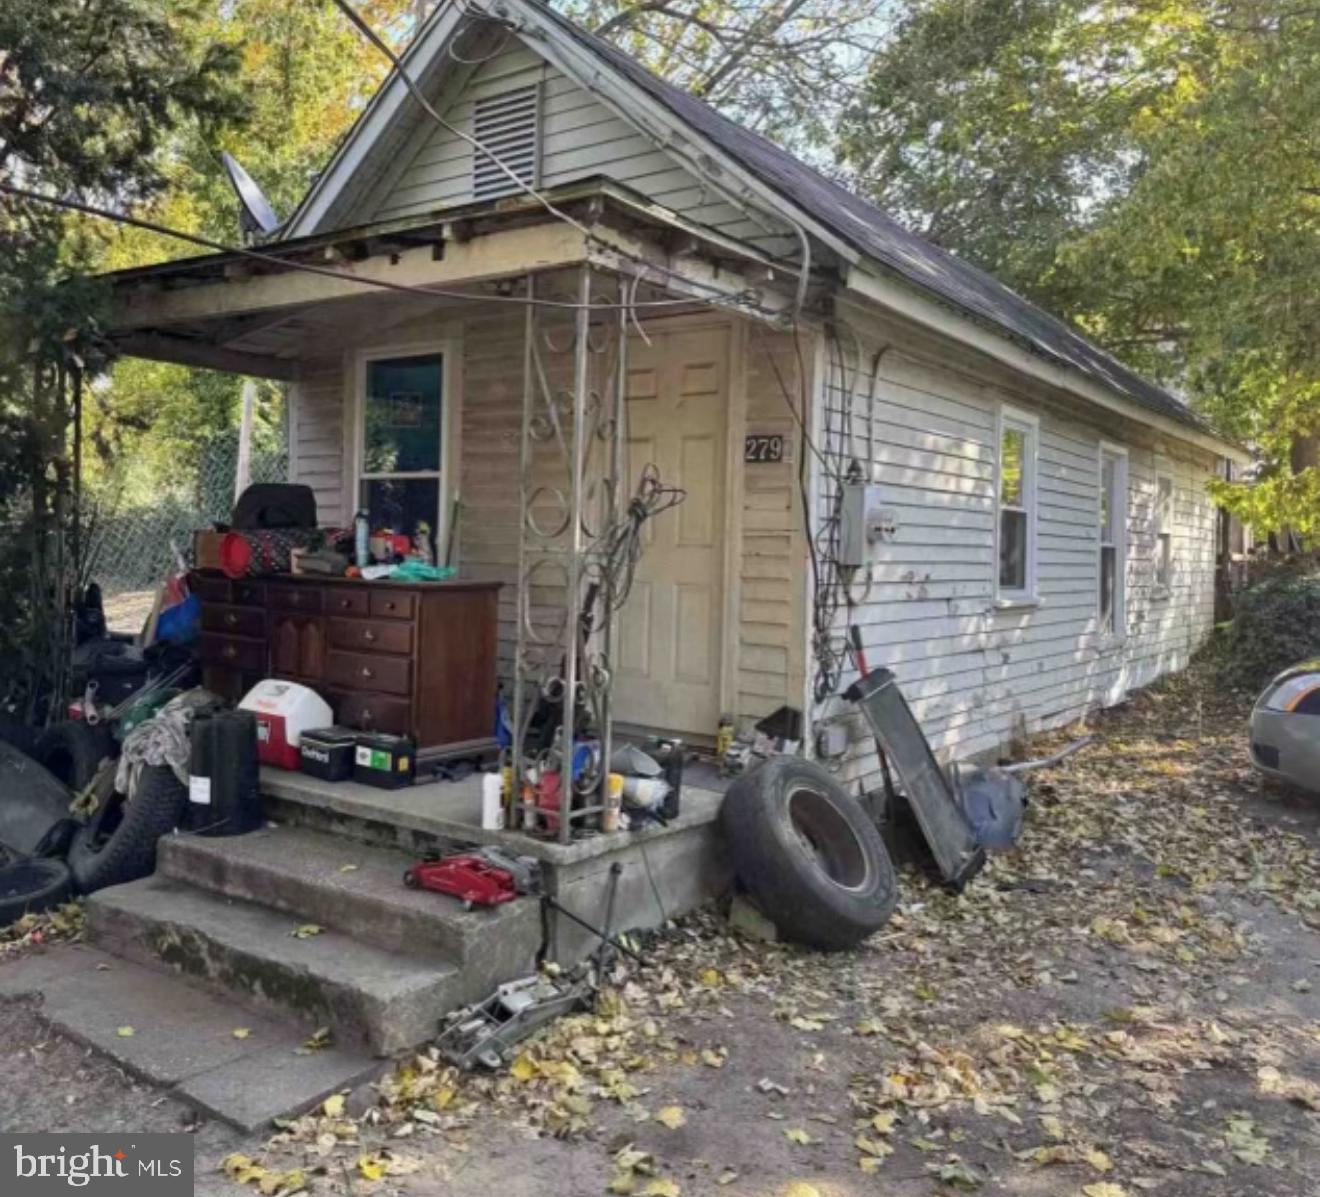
[{"x": 508, "y": 125}]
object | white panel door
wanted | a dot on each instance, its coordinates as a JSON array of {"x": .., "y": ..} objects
[{"x": 670, "y": 633}]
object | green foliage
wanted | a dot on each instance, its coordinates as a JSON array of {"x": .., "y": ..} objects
[
  {"x": 90, "y": 96},
  {"x": 1149, "y": 171},
  {"x": 1276, "y": 623}
]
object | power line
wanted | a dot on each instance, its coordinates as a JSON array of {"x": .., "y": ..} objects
[{"x": 151, "y": 226}]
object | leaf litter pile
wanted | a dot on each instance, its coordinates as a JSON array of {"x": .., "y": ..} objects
[{"x": 1122, "y": 1006}]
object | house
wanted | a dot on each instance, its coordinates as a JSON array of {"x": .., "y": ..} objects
[
  {"x": 867, "y": 429},
  {"x": 699, "y": 413}
]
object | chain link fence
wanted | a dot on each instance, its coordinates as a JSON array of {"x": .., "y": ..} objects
[{"x": 132, "y": 544}]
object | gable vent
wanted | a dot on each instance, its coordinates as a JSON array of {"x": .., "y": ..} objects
[{"x": 508, "y": 125}]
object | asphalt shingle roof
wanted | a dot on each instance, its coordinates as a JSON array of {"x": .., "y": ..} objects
[{"x": 879, "y": 236}]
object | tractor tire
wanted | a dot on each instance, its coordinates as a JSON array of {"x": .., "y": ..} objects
[
  {"x": 118, "y": 843},
  {"x": 808, "y": 855},
  {"x": 28, "y": 886},
  {"x": 73, "y": 751}
]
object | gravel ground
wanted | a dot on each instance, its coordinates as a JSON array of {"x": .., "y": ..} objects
[{"x": 1130, "y": 1004}]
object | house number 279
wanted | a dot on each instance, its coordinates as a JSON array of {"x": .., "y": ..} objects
[{"x": 763, "y": 449}]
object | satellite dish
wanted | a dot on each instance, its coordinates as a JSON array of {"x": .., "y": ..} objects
[{"x": 256, "y": 217}]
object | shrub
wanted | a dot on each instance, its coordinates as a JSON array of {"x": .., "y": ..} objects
[{"x": 1276, "y": 623}]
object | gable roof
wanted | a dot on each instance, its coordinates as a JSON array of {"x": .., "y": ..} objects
[
  {"x": 805, "y": 194},
  {"x": 879, "y": 236}
]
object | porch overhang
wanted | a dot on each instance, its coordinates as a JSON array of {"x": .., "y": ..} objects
[{"x": 239, "y": 311}]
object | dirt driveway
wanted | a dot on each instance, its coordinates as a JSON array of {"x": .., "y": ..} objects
[{"x": 1129, "y": 1005}]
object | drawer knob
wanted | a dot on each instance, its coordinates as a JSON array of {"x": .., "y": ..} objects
[
  {"x": 230, "y": 652},
  {"x": 343, "y": 602},
  {"x": 231, "y": 618},
  {"x": 367, "y": 673},
  {"x": 369, "y": 636},
  {"x": 389, "y": 606},
  {"x": 295, "y": 599}
]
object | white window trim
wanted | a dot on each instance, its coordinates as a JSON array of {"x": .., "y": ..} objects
[
  {"x": 1163, "y": 469},
  {"x": 449, "y": 350},
  {"x": 1028, "y": 422},
  {"x": 1120, "y": 455}
]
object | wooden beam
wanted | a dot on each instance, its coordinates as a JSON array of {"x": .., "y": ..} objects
[
  {"x": 511, "y": 252},
  {"x": 161, "y": 348}
]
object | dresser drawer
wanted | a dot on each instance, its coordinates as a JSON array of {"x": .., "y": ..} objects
[
  {"x": 372, "y": 635},
  {"x": 363, "y": 672},
  {"x": 371, "y": 712},
  {"x": 294, "y": 598},
  {"x": 234, "y": 650},
  {"x": 343, "y": 600},
  {"x": 392, "y": 605},
  {"x": 238, "y": 621},
  {"x": 250, "y": 594},
  {"x": 210, "y": 589}
]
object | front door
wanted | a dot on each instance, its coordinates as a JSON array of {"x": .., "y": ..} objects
[{"x": 670, "y": 638}]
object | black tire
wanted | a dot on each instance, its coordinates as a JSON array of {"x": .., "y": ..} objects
[
  {"x": 14, "y": 731},
  {"x": 808, "y": 854},
  {"x": 28, "y": 886},
  {"x": 73, "y": 751},
  {"x": 118, "y": 843}
]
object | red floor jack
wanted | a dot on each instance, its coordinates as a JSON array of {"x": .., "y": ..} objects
[{"x": 487, "y": 877}]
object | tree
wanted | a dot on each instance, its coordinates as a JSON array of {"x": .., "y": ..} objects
[
  {"x": 89, "y": 95},
  {"x": 1151, "y": 172}
]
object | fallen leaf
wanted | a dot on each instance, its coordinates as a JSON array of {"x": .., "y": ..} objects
[
  {"x": 671, "y": 1116},
  {"x": 306, "y": 931},
  {"x": 1104, "y": 1189},
  {"x": 242, "y": 1032},
  {"x": 795, "y": 1134},
  {"x": 660, "y": 1186},
  {"x": 334, "y": 1106},
  {"x": 125, "y": 1032}
]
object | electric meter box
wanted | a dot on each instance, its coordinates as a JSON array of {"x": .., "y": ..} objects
[{"x": 864, "y": 522}]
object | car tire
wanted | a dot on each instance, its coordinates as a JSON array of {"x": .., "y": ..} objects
[
  {"x": 118, "y": 843},
  {"x": 73, "y": 751},
  {"x": 29, "y": 886},
  {"x": 808, "y": 855}
]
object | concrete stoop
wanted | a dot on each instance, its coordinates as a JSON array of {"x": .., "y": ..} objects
[
  {"x": 318, "y": 927},
  {"x": 308, "y": 924}
]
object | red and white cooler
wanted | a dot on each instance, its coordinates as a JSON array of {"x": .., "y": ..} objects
[{"x": 284, "y": 710}]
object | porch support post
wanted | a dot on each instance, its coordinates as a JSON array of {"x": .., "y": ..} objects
[
  {"x": 573, "y": 639},
  {"x": 522, "y": 646}
]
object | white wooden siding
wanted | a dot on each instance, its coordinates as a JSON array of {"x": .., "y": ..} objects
[
  {"x": 581, "y": 138},
  {"x": 316, "y": 438},
  {"x": 975, "y": 673},
  {"x": 766, "y": 537}
]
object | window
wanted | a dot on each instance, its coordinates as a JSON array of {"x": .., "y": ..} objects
[
  {"x": 402, "y": 452},
  {"x": 1112, "y": 566},
  {"x": 1017, "y": 506},
  {"x": 1163, "y": 532},
  {"x": 507, "y": 125}
]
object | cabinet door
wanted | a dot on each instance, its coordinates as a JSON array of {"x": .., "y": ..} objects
[
  {"x": 285, "y": 646},
  {"x": 297, "y": 647},
  {"x": 311, "y": 650}
]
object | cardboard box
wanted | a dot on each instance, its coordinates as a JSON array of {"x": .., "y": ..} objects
[{"x": 206, "y": 548}]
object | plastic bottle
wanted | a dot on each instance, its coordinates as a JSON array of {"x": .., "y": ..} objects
[{"x": 361, "y": 540}]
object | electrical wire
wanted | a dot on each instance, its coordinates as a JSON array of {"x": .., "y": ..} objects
[
  {"x": 414, "y": 89},
  {"x": 243, "y": 251}
]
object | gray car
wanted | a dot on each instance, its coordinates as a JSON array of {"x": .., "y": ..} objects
[{"x": 1285, "y": 727}]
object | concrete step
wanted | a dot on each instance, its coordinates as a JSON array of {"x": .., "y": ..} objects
[
  {"x": 183, "y": 1037},
  {"x": 366, "y": 994},
  {"x": 357, "y": 889}
]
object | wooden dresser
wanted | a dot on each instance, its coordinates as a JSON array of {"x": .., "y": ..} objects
[{"x": 411, "y": 658}]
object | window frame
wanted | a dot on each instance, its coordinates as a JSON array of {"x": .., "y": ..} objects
[
  {"x": 1162, "y": 574},
  {"x": 447, "y": 350},
  {"x": 1028, "y": 423},
  {"x": 1119, "y": 455}
]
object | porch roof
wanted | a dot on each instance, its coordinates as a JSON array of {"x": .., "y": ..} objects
[{"x": 254, "y": 311}]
